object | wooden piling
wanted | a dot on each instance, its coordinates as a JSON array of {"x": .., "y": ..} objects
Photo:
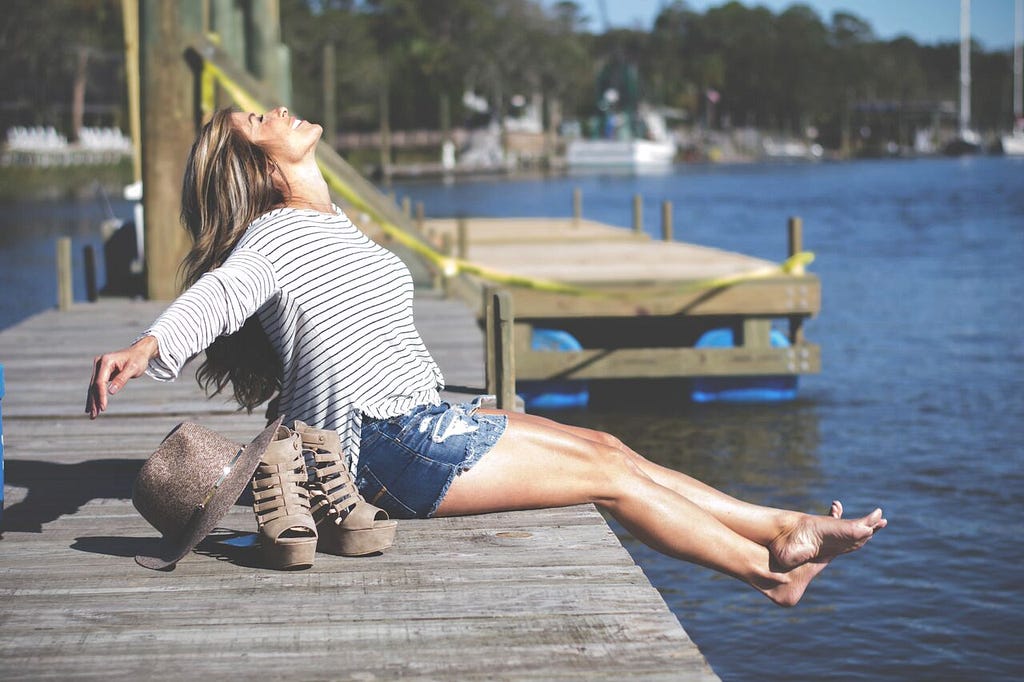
[
  {"x": 499, "y": 339},
  {"x": 795, "y": 239},
  {"x": 407, "y": 207},
  {"x": 463, "y": 236},
  {"x": 638, "y": 214},
  {"x": 330, "y": 105},
  {"x": 419, "y": 216},
  {"x": 65, "y": 294},
  {"x": 577, "y": 204},
  {"x": 666, "y": 221},
  {"x": 89, "y": 259},
  {"x": 168, "y": 128},
  {"x": 795, "y": 230}
]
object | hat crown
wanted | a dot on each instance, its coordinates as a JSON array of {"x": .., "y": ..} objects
[{"x": 177, "y": 478}]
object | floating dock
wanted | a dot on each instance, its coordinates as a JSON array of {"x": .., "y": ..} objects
[
  {"x": 638, "y": 306},
  {"x": 538, "y": 595}
]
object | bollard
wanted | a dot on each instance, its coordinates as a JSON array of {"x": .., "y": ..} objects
[
  {"x": 577, "y": 205},
  {"x": 64, "y": 290},
  {"x": 638, "y": 214},
  {"x": 89, "y": 257},
  {"x": 1, "y": 442},
  {"x": 666, "y": 220}
]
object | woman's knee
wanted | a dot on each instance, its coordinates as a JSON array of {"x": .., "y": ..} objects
[{"x": 615, "y": 469}]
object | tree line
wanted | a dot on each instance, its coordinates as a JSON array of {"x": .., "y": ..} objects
[{"x": 411, "y": 61}]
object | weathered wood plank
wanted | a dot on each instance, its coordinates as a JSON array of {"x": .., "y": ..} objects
[{"x": 539, "y": 595}]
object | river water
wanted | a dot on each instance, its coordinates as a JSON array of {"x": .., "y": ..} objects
[{"x": 919, "y": 407}]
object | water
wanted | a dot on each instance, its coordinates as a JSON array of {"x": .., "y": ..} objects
[
  {"x": 28, "y": 251},
  {"x": 919, "y": 407}
]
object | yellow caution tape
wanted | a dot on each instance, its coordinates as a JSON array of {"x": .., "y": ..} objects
[{"x": 451, "y": 266}]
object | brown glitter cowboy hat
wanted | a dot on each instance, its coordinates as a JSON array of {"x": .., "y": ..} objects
[{"x": 189, "y": 483}]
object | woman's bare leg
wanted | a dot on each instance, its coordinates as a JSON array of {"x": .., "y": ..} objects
[
  {"x": 535, "y": 465},
  {"x": 793, "y": 537}
]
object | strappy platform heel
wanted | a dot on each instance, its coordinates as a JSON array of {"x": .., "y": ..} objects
[
  {"x": 348, "y": 524},
  {"x": 287, "y": 532}
]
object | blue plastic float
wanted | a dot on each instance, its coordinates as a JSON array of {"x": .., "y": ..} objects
[
  {"x": 749, "y": 389},
  {"x": 553, "y": 395}
]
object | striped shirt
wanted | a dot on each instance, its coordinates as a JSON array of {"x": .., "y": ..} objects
[{"x": 336, "y": 307}]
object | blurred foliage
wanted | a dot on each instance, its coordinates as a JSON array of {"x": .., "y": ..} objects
[
  {"x": 41, "y": 43},
  {"x": 732, "y": 65}
]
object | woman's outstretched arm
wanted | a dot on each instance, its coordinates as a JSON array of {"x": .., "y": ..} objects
[{"x": 219, "y": 303}]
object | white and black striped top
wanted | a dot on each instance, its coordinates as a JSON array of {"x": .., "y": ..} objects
[{"x": 337, "y": 308}]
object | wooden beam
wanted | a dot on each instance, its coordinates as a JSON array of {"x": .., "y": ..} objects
[
  {"x": 656, "y": 363},
  {"x": 763, "y": 296}
]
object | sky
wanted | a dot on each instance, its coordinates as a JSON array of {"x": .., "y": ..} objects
[{"x": 926, "y": 21}]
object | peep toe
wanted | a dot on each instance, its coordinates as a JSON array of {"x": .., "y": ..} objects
[
  {"x": 287, "y": 532},
  {"x": 347, "y": 523}
]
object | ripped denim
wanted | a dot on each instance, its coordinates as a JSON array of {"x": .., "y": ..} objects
[{"x": 407, "y": 463}]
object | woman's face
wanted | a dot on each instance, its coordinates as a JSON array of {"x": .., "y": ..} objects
[{"x": 286, "y": 138}]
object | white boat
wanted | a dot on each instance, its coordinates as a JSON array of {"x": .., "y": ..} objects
[
  {"x": 635, "y": 154},
  {"x": 1013, "y": 144}
]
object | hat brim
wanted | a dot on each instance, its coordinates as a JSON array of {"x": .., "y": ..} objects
[{"x": 206, "y": 518}]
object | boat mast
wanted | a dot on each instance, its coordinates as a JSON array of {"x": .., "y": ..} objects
[
  {"x": 965, "y": 65},
  {"x": 1018, "y": 61}
]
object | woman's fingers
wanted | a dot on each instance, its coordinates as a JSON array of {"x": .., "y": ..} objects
[
  {"x": 109, "y": 377},
  {"x": 111, "y": 371}
]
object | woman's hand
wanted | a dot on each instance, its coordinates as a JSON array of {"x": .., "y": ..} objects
[{"x": 111, "y": 371}]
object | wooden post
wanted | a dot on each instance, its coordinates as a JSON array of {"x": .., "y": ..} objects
[
  {"x": 490, "y": 356},
  {"x": 796, "y": 236},
  {"x": 447, "y": 249},
  {"x": 795, "y": 230},
  {"x": 407, "y": 207},
  {"x": 268, "y": 58},
  {"x": 577, "y": 205},
  {"x": 501, "y": 371},
  {"x": 168, "y": 129},
  {"x": 666, "y": 220},
  {"x": 130, "y": 17},
  {"x": 420, "y": 223},
  {"x": 330, "y": 105},
  {"x": 64, "y": 281},
  {"x": 230, "y": 26},
  {"x": 89, "y": 256},
  {"x": 384, "y": 112},
  {"x": 463, "y": 236},
  {"x": 638, "y": 214}
]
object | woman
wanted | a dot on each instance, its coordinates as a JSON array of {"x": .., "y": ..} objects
[{"x": 274, "y": 260}]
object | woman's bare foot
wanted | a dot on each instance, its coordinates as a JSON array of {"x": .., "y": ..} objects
[
  {"x": 790, "y": 586},
  {"x": 815, "y": 537},
  {"x": 786, "y": 589}
]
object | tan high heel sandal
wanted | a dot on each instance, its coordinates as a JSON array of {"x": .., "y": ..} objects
[
  {"x": 348, "y": 524},
  {"x": 287, "y": 532}
]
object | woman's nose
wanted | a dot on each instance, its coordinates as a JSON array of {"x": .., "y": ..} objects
[{"x": 281, "y": 111}]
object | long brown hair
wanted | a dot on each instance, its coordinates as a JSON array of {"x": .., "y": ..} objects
[{"x": 227, "y": 185}]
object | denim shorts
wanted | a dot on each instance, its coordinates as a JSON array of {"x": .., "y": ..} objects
[{"x": 407, "y": 463}]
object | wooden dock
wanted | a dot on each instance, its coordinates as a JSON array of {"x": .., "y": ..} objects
[
  {"x": 542, "y": 595},
  {"x": 642, "y": 304}
]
